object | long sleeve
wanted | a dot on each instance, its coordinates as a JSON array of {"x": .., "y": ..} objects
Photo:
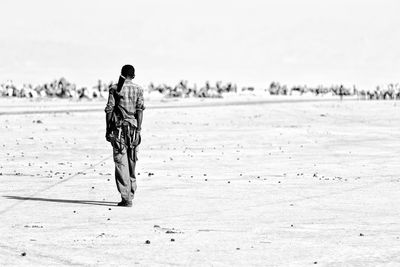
[
  {"x": 111, "y": 101},
  {"x": 109, "y": 108},
  {"x": 140, "y": 100}
]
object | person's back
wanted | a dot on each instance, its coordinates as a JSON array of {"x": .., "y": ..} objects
[{"x": 128, "y": 100}]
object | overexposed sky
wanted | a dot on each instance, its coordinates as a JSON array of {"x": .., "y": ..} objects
[{"x": 250, "y": 42}]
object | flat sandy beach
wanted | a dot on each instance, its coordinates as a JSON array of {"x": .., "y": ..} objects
[{"x": 264, "y": 184}]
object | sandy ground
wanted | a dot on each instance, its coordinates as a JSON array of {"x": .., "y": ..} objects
[{"x": 289, "y": 184}]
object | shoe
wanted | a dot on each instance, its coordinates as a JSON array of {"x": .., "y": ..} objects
[{"x": 124, "y": 203}]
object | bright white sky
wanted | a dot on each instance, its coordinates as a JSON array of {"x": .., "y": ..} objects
[{"x": 245, "y": 41}]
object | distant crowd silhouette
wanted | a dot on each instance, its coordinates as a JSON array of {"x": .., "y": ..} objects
[
  {"x": 389, "y": 91},
  {"x": 62, "y": 88}
]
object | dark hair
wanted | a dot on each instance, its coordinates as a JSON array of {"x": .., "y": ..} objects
[{"x": 127, "y": 71}]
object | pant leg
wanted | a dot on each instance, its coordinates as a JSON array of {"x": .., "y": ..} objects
[
  {"x": 122, "y": 174},
  {"x": 132, "y": 175}
]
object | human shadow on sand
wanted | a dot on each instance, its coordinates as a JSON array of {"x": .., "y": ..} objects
[{"x": 73, "y": 201}]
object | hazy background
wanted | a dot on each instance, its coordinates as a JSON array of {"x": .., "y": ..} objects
[{"x": 249, "y": 42}]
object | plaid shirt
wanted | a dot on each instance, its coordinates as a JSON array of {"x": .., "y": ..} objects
[{"x": 130, "y": 100}]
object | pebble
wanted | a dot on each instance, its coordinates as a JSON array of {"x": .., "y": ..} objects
[{"x": 147, "y": 242}]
